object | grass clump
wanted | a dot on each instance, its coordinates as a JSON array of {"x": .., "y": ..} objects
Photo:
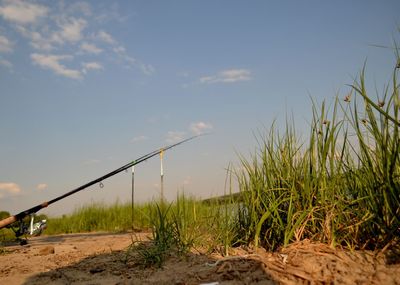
[
  {"x": 378, "y": 171},
  {"x": 187, "y": 224},
  {"x": 162, "y": 237},
  {"x": 171, "y": 231},
  {"x": 342, "y": 186}
]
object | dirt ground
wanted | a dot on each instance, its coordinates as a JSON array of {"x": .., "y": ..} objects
[{"x": 102, "y": 258}]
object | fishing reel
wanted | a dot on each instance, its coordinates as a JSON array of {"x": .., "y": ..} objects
[
  {"x": 37, "y": 228},
  {"x": 33, "y": 229}
]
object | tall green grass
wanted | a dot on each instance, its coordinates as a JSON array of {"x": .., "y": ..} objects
[
  {"x": 186, "y": 224},
  {"x": 341, "y": 186},
  {"x": 101, "y": 217}
]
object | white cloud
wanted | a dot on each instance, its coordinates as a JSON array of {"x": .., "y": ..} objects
[
  {"x": 5, "y": 44},
  {"x": 52, "y": 62},
  {"x": 119, "y": 50},
  {"x": 200, "y": 127},
  {"x": 185, "y": 74},
  {"x": 61, "y": 28},
  {"x": 41, "y": 186},
  {"x": 228, "y": 76},
  {"x": 105, "y": 37},
  {"x": 147, "y": 69},
  {"x": 6, "y": 63},
  {"x": 22, "y": 12},
  {"x": 79, "y": 7},
  {"x": 112, "y": 14},
  {"x": 37, "y": 40},
  {"x": 129, "y": 59},
  {"x": 139, "y": 138},
  {"x": 71, "y": 30},
  {"x": 91, "y": 66},
  {"x": 90, "y": 48},
  {"x": 206, "y": 79},
  {"x": 8, "y": 189},
  {"x": 174, "y": 136}
]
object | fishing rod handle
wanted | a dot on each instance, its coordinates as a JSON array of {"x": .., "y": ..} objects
[{"x": 7, "y": 221}]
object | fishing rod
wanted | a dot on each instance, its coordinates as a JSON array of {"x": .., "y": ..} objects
[{"x": 19, "y": 217}]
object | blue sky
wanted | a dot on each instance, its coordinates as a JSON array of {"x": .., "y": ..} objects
[{"x": 87, "y": 86}]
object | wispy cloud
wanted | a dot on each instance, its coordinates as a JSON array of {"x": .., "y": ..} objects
[
  {"x": 184, "y": 74},
  {"x": 105, "y": 37},
  {"x": 139, "y": 138},
  {"x": 41, "y": 186},
  {"x": 52, "y": 62},
  {"x": 174, "y": 136},
  {"x": 196, "y": 128},
  {"x": 5, "y": 44},
  {"x": 37, "y": 40},
  {"x": 119, "y": 50},
  {"x": 79, "y": 7},
  {"x": 147, "y": 69},
  {"x": 91, "y": 66},
  {"x": 6, "y": 63},
  {"x": 227, "y": 76},
  {"x": 111, "y": 14},
  {"x": 22, "y": 12},
  {"x": 200, "y": 127},
  {"x": 90, "y": 48},
  {"x": 122, "y": 54},
  {"x": 70, "y": 30},
  {"x": 9, "y": 189},
  {"x": 59, "y": 29}
]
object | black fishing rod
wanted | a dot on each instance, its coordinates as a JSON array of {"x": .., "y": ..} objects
[{"x": 18, "y": 217}]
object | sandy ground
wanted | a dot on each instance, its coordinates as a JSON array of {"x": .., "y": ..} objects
[{"x": 101, "y": 258}]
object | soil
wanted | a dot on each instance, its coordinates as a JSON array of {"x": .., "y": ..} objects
[{"x": 103, "y": 258}]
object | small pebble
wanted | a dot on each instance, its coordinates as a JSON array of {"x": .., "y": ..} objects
[
  {"x": 96, "y": 270},
  {"x": 47, "y": 250}
]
